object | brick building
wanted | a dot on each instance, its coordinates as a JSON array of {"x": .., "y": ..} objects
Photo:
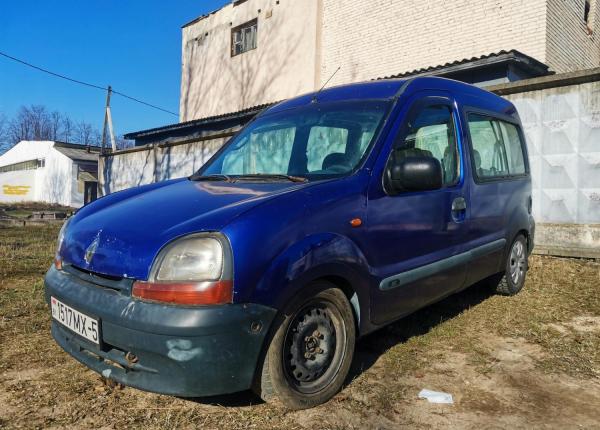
[
  {"x": 543, "y": 55},
  {"x": 252, "y": 52}
]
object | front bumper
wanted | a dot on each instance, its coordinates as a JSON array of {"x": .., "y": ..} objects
[{"x": 182, "y": 351}]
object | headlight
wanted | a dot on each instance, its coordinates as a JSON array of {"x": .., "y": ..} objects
[
  {"x": 193, "y": 270},
  {"x": 59, "y": 244},
  {"x": 191, "y": 259}
]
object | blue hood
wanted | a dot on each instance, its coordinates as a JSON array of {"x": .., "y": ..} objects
[{"x": 131, "y": 226}]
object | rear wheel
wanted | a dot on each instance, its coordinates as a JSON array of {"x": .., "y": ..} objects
[
  {"x": 511, "y": 281},
  {"x": 310, "y": 352}
]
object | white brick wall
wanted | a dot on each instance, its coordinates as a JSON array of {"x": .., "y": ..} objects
[
  {"x": 372, "y": 38},
  {"x": 282, "y": 66},
  {"x": 569, "y": 45},
  {"x": 302, "y": 42}
]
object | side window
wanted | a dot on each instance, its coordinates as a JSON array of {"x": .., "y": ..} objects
[
  {"x": 514, "y": 148},
  {"x": 497, "y": 147},
  {"x": 326, "y": 149},
  {"x": 431, "y": 133}
]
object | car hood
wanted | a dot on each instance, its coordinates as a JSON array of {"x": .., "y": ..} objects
[{"x": 126, "y": 230}]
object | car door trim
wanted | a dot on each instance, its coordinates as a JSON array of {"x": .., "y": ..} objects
[{"x": 439, "y": 266}]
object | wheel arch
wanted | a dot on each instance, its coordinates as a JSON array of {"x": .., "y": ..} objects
[{"x": 330, "y": 257}]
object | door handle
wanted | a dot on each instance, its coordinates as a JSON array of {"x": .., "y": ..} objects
[
  {"x": 459, "y": 209},
  {"x": 459, "y": 204}
]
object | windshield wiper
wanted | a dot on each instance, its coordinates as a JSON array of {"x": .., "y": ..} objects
[
  {"x": 216, "y": 177},
  {"x": 270, "y": 176}
]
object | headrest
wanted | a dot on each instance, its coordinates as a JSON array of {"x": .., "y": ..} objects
[{"x": 335, "y": 159}]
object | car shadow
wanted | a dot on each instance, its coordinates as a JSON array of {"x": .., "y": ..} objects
[{"x": 374, "y": 345}]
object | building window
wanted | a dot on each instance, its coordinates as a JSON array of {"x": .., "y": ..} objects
[
  {"x": 586, "y": 12},
  {"x": 244, "y": 37},
  {"x": 23, "y": 165}
]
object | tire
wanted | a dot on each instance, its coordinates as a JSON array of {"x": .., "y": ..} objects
[
  {"x": 310, "y": 351},
  {"x": 511, "y": 281}
]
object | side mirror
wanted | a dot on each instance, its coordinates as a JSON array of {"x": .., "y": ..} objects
[{"x": 415, "y": 173}]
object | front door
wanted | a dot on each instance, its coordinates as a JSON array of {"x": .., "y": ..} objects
[
  {"x": 417, "y": 238},
  {"x": 90, "y": 191}
]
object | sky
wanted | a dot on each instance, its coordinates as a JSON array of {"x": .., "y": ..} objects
[{"x": 133, "y": 45}]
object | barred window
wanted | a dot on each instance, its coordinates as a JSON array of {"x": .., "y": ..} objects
[{"x": 244, "y": 37}]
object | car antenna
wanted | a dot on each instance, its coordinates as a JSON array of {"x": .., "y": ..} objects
[{"x": 314, "y": 99}]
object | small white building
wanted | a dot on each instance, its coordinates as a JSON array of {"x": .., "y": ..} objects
[{"x": 50, "y": 172}]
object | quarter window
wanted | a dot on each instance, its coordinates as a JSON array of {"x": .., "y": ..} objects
[
  {"x": 497, "y": 147},
  {"x": 244, "y": 37},
  {"x": 431, "y": 133}
]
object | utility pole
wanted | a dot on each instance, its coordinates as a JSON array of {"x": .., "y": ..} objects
[{"x": 108, "y": 122}]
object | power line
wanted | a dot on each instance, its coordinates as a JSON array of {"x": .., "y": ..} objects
[{"x": 87, "y": 84}]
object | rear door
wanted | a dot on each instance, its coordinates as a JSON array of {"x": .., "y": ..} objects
[
  {"x": 416, "y": 238},
  {"x": 500, "y": 193}
]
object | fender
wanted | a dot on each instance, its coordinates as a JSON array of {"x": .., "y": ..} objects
[
  {"x": 518, "y": 220},
  {"x": 324, "y": 255}
]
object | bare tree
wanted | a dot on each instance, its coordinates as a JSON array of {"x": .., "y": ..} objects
[
  {"x": 84, "y": 133},
  {"x": 36, "y": 122},
  {"x": 55, "y": 125},
  {"x": 30, "y": 123},
  {"x": 40, "y": 122},
  {"x": 68, "y": 129},
  {"x": 123, "y": 143},
  {"x": 4, "y": 143}
]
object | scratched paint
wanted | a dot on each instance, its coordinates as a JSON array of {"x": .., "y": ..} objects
[{"x": 181, "y": 350}]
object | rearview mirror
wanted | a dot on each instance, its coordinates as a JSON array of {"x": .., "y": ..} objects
[{"x": 415, "y": 173}]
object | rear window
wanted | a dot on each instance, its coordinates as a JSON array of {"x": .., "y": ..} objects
[{"x": 498, "y": 149}]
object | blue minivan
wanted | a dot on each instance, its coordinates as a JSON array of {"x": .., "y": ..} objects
[{"x": 327, "y": 217}]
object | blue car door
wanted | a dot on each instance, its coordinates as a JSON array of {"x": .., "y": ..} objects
[
  {"x": 416, "y": 249},
  {"x": 500, "y": 191}
]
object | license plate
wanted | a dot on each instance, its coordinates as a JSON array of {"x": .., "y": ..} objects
[{"x": 82, "y": 324}]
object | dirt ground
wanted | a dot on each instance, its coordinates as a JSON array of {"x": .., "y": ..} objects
[{"x": 529, "y": 361}]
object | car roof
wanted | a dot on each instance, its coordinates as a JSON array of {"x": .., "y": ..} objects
[{"x": 390, "y": 88}]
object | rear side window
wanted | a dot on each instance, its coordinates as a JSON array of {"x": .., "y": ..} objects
[
  {"x": 497, "y": 147},
  {"x": 431, "y": 133}
]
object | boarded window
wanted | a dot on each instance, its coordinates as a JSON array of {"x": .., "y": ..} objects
[{"x": 244, "y": 37}]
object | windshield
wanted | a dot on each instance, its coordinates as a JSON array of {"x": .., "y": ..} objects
[{"x": 317, "y": 141}]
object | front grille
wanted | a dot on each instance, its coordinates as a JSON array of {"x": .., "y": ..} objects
[{"x": 100, "y": 279}]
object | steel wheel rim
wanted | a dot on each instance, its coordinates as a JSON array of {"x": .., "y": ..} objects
[
  {"x": 314, "y": 346},
  {"x": 517, "y": 262}
]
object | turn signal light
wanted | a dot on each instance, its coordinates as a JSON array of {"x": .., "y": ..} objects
[
  {"x": 185, "y": 293},
  {"x": 58, "y": 263}
]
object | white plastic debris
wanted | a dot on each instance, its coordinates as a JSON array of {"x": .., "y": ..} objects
[{"x": 435, "y": 396}]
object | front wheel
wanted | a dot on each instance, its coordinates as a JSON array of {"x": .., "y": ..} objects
[
  {"x": 511, "y": 281},
  {"x": 310, "y": 353}
]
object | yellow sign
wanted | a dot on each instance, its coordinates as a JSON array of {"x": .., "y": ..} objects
[{"x": 15, "y": 190}]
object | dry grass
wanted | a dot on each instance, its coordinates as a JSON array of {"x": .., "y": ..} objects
[
  {"x": 21, "y": 210},
  {"x": 509, "y": 361}
]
